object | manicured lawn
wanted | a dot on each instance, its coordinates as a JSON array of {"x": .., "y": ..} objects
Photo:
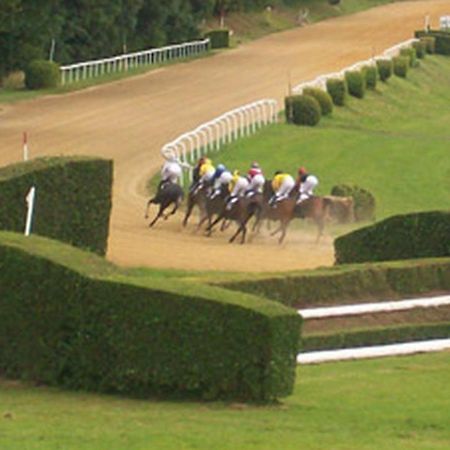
[
  {"x": 395, "y": 143},
  {"x": 394, "y": 403}
]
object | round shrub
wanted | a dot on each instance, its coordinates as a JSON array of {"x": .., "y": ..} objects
[
  {"x": 305, "y": 110},
  {"x": 385, "y": 69},
  {"x": 410, "y": 53},
  {"x": 42, "y": 74},
  {"x": 430, "y": 44},
  {"x": 364, "y": 201},
  {"x": 371, "y": 76},
  {"x": 338, "y": 91},
  {"x": 356, "y": 83},
  {"x": 324, "y": 99},
  {"x": 401, "y": 65},
  {"x": 421, "y": 49}
]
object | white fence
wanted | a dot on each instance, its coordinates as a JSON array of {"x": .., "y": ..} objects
[
  {"x": 444, "y": 23},
  {"x": 123, "y": 63},
  {"x": 211, "y": 135},
  {"x": 321, "y": 81}
]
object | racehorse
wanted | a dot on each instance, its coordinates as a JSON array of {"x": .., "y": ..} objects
[
  {"x": 197, "y": 196},
  {"x": 315, "y": 208},
  {"x": 168, "y": 194},
  {"x": 241, "y": 212},
  {"x": 215, "y": 205}
]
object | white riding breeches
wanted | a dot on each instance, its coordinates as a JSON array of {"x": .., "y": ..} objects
[
  {"x": 286, "y": 187},
  {"x": 171, "y": 171},
  {"x": 240, "y": 187},
  {"x": 257, "y": 183},
  {"x": 307, "y": 187}
]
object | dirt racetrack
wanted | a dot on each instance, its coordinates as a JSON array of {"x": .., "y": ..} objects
[{"x": 130, "y": 120}]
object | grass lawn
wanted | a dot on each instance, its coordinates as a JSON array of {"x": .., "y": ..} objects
[
  {"x": 395, "y": 143},
  {"x": 393, "y": 403}
]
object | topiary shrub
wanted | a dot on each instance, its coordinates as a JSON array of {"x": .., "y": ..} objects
[
  {"x": 416, "y": 235},
  {"x": 385, "y": 69},
  {"x": 430, "y": 44},
  {"x": 305, "y": 110},
  {"x": 356, "y": 83},
  {"x": 338, "y": 91},
  {"x": 441, "y": 40},
  {"x": 371, "y": 76},
  {"x": 41, "y": 74},
  {"x": 219, "y": 38},
  {"x": 364, "y": 201},
  {"x": 411, "y": 54},
  {"x": 324, "y": 99},
  {"x": 421, "y": 49},
  {"x": 401, "y": 65}
]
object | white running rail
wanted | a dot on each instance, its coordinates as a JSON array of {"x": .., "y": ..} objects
[
  {"x": 370, "y": 308},
  {"x": 378, "y": 351},
  {"x": 210, "y": 136},
  {"x": 321, "y": 81},
  {"x": 122, "y": 63}
]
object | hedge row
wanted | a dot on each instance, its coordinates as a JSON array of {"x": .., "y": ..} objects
[
  {"x": 378, "y": 336},
  {"x": 302, "y": 110},
  {"x": 416, "y": 235},
  {"x": 348, "y": 284},
  {"x": 73, "y": 199},
  {"x": 69, "y": 318},
  {"x": 442, "y": 40}
]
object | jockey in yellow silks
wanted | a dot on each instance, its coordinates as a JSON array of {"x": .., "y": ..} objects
[{"x": 282, "y": 185}]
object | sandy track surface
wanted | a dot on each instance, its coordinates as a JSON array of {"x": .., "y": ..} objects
[{"x": 130, "y": 120}]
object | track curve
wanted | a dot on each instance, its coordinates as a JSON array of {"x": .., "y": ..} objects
[{"x": 130, "y": 120}]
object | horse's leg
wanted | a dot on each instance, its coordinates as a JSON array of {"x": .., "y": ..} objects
[
  {"x": 213, "y": 224},
  {"x": 160, "y": 213},
  {"x": 280, "y": 228},
  {"x": 284, "y": 227},
  {"x": 205, "y": 218},
  {"x": 188, "y": 212},
  {"x": 320, "y": 222},
  {"x": 235, "y": 235},
  {"x": 148, "y": 206}
]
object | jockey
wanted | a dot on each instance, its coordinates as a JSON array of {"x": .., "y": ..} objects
[
  {"x": 257, "y": 180},
  {"x": 207, "y": 171},
  {"x": 171, "y": 171},
  {"x": 306, "y": 184},
  {"x": 221, "y": 178},
  {"x": 282, "y": 185},
  {"x": 196, "y": 171},
  {"x": 238, "y": 187}
]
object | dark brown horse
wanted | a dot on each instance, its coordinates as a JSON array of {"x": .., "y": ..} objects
[
  {"x": 168, "y": 194},
  {"x": 198, "y": 194}
]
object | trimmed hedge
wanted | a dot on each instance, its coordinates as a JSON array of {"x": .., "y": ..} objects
[
  {"x": 411, "y": 54},
  {"x": 303, "y": 110},
  {"x": 356, "y": 83},
  {"x": 401, "y": 65},
  {"x": 420, "y": 48},
  {"x": 73, "y": 199},
  {"x": 338, "y": 91},
  {"x": 69, "y": 318},
  {"x": 41, "y": 74},
  {"x": 219, "y": 38},
  {"x": 442, "y": 40},
  {"x": 416, "y": 235},
  {"x": 364, "y": 201},
  {"x": 324, "y": 99},
  {"x": 430, "y": 44},
  {"x": 377, "y": 336},
  {"x": 385, "y": 69},
  {"x": 347, "y": 283},
  {"x": 370, "y": 76}
]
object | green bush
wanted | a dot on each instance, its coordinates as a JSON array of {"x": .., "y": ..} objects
[
  {"x": 442, "y": 40},
  {"x": 401, "y": 65},
  {"x": 219, "y": 38},
  {"x": 377, "y": 336},
  {"x": 305, "y": 110},
  {"x": 385, "y": 69},
  {"x": 356, "y": 83},
  {"x": 370, "y": 76},
  {"x": 364, "y": 201},
  {"x": 41, "y": 74},
  {"x": 421, "y": 49},
  {"x": 371, "y": 282},
  {"x": 338, "y": 91},
  {"x": 71, "y": 319},
  {"x": 430, "y": 44},
  {"x": 411, "y": 54},
  {"x": 324, "y": 99},
  {"x": 416, "y": 235},
  {"x": 73, "y": 199},
  {"x": 288, "y": 109}
]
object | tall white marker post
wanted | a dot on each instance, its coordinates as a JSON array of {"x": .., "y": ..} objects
[
  {"x": 25, "y": 146},
  {"x": 30, "y": 204}
]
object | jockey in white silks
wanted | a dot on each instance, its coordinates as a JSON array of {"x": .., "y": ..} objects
[
  {"x": 238, "y": 187},
  {"x": 172, "y": 170},
  {"x": 257, "y": 180},
  {"x": 221, "y": 179},
  {"x": 307, "y": 183}
]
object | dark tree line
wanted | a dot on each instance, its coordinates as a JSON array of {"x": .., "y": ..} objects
[{"x": 89, "y": 29}]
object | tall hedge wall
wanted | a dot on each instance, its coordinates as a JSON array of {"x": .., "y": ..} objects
[
  {"x": 416, "y": 235},
  {"x": 68, "y": 318},
  {"x": 442, "y": 40},
  {"x": 347, "y": 283},
  {"x": 73, "y": 199}
]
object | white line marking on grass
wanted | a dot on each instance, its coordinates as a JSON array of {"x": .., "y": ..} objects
[{"x": 373, "y": 352}]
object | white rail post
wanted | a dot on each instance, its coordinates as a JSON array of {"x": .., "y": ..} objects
[
  {"x": 30, "y": 205},
  {"x": 25, "y": 146}
]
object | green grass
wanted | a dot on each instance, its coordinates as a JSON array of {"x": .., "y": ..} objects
[
  {"x": 395, "y": 143},
  {"x": 393, "y": 403}
]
